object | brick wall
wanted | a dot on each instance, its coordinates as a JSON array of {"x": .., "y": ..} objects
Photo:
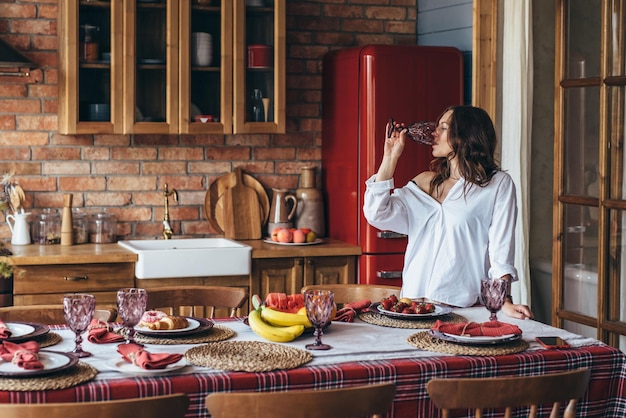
[{"x": 125, "y": 173}]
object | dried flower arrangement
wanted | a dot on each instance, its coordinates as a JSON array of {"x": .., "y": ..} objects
[{"x": 6, "y": 185}]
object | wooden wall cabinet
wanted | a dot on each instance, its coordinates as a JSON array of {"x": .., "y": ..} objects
[
  {"x": 290, "y": 275},
  {"x": 153, "y": 81}
]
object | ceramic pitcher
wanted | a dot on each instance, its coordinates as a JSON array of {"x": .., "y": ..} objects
[
  {"x": 18, "y": 224},
  {"x": 280, "y": 213}
]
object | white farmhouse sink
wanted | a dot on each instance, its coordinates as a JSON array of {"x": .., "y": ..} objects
[{"x": 197, "y": 257}]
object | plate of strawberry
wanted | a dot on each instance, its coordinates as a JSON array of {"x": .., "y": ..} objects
[{"x": 405, "y": 308}]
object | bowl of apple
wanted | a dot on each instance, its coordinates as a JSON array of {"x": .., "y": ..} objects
[{"x": 293, "y": 236}]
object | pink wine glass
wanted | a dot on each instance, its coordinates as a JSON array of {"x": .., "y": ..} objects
[
  {"x": 319, "y": 306},
  {"x": 131, "y": 304},
  {"x": 78, "y": 309},
  {"x": 493, "y": 295}
]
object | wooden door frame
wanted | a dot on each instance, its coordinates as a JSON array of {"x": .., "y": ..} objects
[{"x": 485, "y": 56}]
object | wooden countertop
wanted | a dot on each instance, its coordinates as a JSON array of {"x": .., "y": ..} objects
[
  {"x": 35, "y": 254},
  {"x": 328, "y": 247}
]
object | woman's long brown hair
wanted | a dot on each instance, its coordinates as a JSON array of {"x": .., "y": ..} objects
[{"x": 472, "y": 137}]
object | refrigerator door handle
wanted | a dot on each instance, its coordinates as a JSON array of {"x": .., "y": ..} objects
[
  {"x": 388, "y": 274},
  {"x": 390, "y": 235}
]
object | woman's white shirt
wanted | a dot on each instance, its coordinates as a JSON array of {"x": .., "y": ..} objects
[{"x": 453, "y": 244}]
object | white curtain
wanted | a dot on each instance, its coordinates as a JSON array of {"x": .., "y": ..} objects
[{"x": 517, "y": 99}]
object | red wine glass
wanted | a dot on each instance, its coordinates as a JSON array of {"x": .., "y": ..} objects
[
  {"x": 78, "y": 309},
  {"x": 131, "y": 304},
  {"x": 319, "y": 306},
  {"x": 493, "y": 295}
]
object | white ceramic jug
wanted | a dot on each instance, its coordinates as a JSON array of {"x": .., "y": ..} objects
[{"x": 19, "y": 228}]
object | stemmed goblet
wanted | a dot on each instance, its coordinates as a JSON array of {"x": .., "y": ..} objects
[
  {"x": 319, "y": 306},
  {"x": 493, "y": 295},
  {"x": 131, "y": 304},
  {"x": 78, "y": 309}
]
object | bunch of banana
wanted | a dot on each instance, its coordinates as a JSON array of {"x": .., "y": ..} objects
[
  {"x": 275, "y": 333},
  {"x": 285, "y": 319},
  {"x": 271, "y": 332}
]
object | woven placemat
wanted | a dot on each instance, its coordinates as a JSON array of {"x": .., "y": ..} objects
[
  {"x": 48, "y": 339},
  {"x": 214, "y": 334},
  {"x": 375, "y": 318},
  {"x": 424, "y": 341},
  {"x": 73, "y": 376},
  {"x": 247, "y": 356}
]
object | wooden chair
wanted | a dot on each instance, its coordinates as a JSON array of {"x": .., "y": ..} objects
[
  {"x": 197, "y": 301},
  {"x": 48, "y": 314},
  {"x": 166, "y": 406},
  {"x": 346, "y": 293},
  {"x": 357, "y": 401},
  {"x": 510, "y": 393}
]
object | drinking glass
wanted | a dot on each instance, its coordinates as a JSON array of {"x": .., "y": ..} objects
[
  {"x": 319, "y": 306},
  {"x": 131, "y": 304},
  {"x": 78, "y": 310},
  {"x": 493, "y": 295}
]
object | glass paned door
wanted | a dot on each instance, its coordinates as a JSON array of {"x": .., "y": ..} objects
[
  {"x": 206, "y": 58},
  {"x": 259, "y": 66},
  {"x": 151, "y": 65}
]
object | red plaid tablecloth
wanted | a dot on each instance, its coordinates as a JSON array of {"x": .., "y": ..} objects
[{"x": 606, "y": 396}]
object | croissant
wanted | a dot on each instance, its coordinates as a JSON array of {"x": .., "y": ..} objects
[{"x": 168, "y": 323}]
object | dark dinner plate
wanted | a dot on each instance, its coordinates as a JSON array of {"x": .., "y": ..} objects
[
  {"x": 439, "y": 311},
  {"x": 474, "y": 340},
  {"x": 53, "y": 362},
  {"x": 39, "y": 330},
  {"x": 204, "y": 324}
]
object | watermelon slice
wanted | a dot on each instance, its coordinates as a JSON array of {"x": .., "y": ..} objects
[{"x": 284, "y": 302}]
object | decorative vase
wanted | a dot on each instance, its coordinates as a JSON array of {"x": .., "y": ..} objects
[{"x": 310, "y": 212}]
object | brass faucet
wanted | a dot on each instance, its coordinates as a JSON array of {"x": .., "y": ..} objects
[{"x": 167, "y": 228}]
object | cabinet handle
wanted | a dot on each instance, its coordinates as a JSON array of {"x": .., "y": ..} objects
[
  {"x": 299, "y": 262},
  {"x": 385, "y": 274},
  {"x": 310, "y": 261},
  {"x": 76, "y": 278},
  {"x": 390, "y": 235}
]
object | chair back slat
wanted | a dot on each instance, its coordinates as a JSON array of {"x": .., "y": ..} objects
[{"x": 511, "y": 393}]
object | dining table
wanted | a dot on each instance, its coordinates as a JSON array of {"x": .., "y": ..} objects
[{"x": 230, "y": 357}]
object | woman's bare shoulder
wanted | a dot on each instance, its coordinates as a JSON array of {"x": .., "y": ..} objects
[{"x": 423, "y": 180}]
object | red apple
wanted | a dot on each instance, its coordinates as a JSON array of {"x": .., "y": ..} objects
[
  {"x": 299, "y": 236},
  {"x": 275, "y": 234},
  {"x": 284, "y": 235}
]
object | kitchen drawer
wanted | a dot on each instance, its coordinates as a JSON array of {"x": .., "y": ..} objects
[
  {"x": 69, "y": 278},
  {"x": 103, "y": 299}
]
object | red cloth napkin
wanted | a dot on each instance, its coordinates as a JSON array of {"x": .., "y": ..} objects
[
  {"x": 24, "y": 355},
  {"x": 101, "y": 332},
  {"x": 135, "y": 354},
  {"x": 475, "y": 329},
  {"x": 351, "y": 310},
  {"x": 5, "y": 332}
]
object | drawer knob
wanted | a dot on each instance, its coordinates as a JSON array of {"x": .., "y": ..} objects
[{"x": 76, "y": 278}]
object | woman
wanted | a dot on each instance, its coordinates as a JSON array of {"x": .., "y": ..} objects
[{"x": 459, "y": 218}]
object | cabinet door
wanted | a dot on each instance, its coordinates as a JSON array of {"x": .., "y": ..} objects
[
  {"x": 206, "y": 67},
  {"x": 151, "y": 71},
  {"x": 90, "y": 66},
  {"x": 259, "y": 53},
  {"x": 329, "y": 270},
  {"x": 281, "y": 275}
]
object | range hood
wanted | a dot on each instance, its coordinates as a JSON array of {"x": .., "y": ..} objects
[{"x": 11, "y": 58}]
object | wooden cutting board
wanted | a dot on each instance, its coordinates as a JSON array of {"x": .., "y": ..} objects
[
  {"x": 242, "y": 213},
  {"x": 214, "y": 199}
]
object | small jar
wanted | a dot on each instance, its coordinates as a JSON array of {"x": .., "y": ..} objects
[
  {"x": 102, "y": 228},
  {"x": 80, "y": 226},
  {"x": 46, "y": 227}
]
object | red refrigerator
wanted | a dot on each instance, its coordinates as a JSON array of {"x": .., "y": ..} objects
[{"x": 362, "y": 88}]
